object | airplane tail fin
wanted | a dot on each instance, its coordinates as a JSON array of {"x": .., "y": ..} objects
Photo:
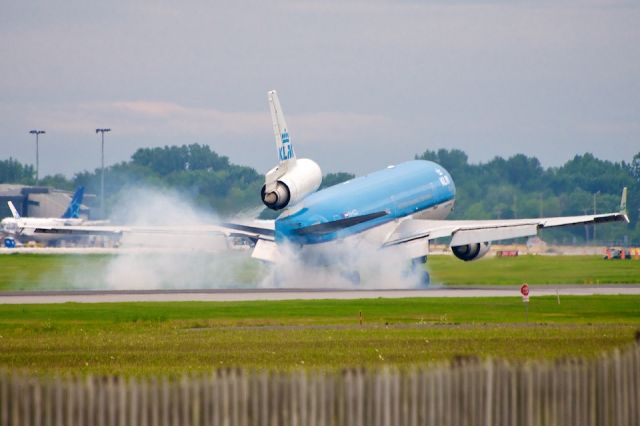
[
  {"x": 286, "y": 154},
  {"x": 299, "y": 178},
  {"x": 73, "y": 211},
  {"x": 14, "y": 212}
]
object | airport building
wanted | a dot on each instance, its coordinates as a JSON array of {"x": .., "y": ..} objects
[{"x": 39, "y": 201}]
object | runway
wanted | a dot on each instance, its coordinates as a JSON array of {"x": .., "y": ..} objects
[{"x": 229, "y": 295}]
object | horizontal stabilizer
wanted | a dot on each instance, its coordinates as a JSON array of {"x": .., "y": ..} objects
[{"x": 266, "y": 251}]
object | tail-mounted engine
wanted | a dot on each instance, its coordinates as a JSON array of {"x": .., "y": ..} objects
[
  {"x": 293, "y": 178},
  {"x": 301, "y": 179},
  {"x": 470, "y": 252}
]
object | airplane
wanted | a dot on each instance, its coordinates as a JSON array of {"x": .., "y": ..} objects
[
  {"x": 400, "y": 208},
  {"x": 397, "y": 210},
  {"x": 18, "y": 227}
]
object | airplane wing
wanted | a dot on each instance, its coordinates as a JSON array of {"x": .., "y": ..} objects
[
  {"x": 464, "y": 232},
  {"x": 264, "y": 230}
]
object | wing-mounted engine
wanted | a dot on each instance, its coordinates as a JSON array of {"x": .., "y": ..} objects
[
  {"x": 292, "y": 179},
  {"x": 300, "y": 180},
  {"x": 470, "y": 252}
]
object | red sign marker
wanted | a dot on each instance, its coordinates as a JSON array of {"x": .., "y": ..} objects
[{"x": 524, "y": 290}]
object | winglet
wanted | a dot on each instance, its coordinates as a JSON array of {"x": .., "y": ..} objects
[
  {"x": 14, "y": 212},
  {"x": 623, "y": 205},
  {"x": 623, "y": 201}
]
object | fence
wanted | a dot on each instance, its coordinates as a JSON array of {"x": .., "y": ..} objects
[{"x": 603, "y": 391}]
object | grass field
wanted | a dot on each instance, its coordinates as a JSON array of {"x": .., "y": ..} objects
[
  {"x": 54, "y": 272},
  {"x": 176, "y": 338},
  {"x": 535, "y": 270}
]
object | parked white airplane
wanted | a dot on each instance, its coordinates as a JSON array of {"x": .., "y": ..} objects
[
  {"x": 21, "y": 228},
  {"x": 397, "y": 209}
]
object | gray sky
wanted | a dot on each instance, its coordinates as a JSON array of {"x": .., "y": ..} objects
[{"x": 362, "y": 83}]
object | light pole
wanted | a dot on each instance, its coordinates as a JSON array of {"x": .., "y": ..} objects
[
  {"x": 102, "y": 131},
  {"x": 594, "y": 213},
  {"x": 37, "y": 133},
  {"x": 586, "y": 230},
  {"x": 541, "y": 204}
]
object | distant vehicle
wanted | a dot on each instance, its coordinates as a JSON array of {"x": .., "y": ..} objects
[
  {"x": 18, "y": 229},
  {"x": 616, "y": 253},
  {"x": 397, "y": 210},
  {"x": 9, "y": 242},
  {"x": 507, "y": 253}
]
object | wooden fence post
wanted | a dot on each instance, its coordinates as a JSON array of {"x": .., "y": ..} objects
[{"x": 566, "y": 392}]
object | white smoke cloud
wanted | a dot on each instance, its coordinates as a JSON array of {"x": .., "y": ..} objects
[
  {"x": 172, "y": 248},
  {"x": 352, "y": 264},
  {"x": 192, "y": 259},
  {"x": 177, "y": 252}
]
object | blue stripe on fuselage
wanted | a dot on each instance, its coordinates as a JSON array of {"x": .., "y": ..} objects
[{"x": 399, "y": 190}]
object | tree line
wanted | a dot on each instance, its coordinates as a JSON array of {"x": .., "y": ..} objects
[
  {"x": 515, "y": 187},
  {"x": 519, "y": 187}
]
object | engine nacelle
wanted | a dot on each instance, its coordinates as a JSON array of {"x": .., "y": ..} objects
[
  {"x": 299, "y": 181},
  {"x": 470, "y": 252}
]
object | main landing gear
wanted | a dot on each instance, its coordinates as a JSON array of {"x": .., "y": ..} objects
[{"x": 418, "y": 267}]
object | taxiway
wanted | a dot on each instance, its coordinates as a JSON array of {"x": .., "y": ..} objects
[{"x": 224, "y": 295}]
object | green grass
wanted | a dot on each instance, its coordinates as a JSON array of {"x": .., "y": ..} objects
[
  {"x": 534, "y": 270},
  {"x": 55, "y": 272},
  {"x": 45, "y": 272},
  {"x": 126, "y": 271},
  {"x": 174, "y": 338}
]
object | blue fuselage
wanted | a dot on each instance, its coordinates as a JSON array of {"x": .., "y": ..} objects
[{"x": 384, "y": 196}]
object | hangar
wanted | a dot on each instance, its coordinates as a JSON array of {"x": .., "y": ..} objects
[{"x": 39, "y": 201}]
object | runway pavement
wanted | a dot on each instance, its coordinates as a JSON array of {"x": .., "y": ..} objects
[{"x": 221, "y": 295}]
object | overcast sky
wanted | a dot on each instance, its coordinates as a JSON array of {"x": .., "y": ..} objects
[{"x": 363, "y": 84}]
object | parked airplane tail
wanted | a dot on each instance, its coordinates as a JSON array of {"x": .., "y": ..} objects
[
  {"x": 14, "y": 212},
  {"x": 73, "y": 211}
]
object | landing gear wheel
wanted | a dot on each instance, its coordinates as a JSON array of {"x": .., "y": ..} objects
[
  {"x": 417, "y": 266},
  {"x": 425, "y": 279}
]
